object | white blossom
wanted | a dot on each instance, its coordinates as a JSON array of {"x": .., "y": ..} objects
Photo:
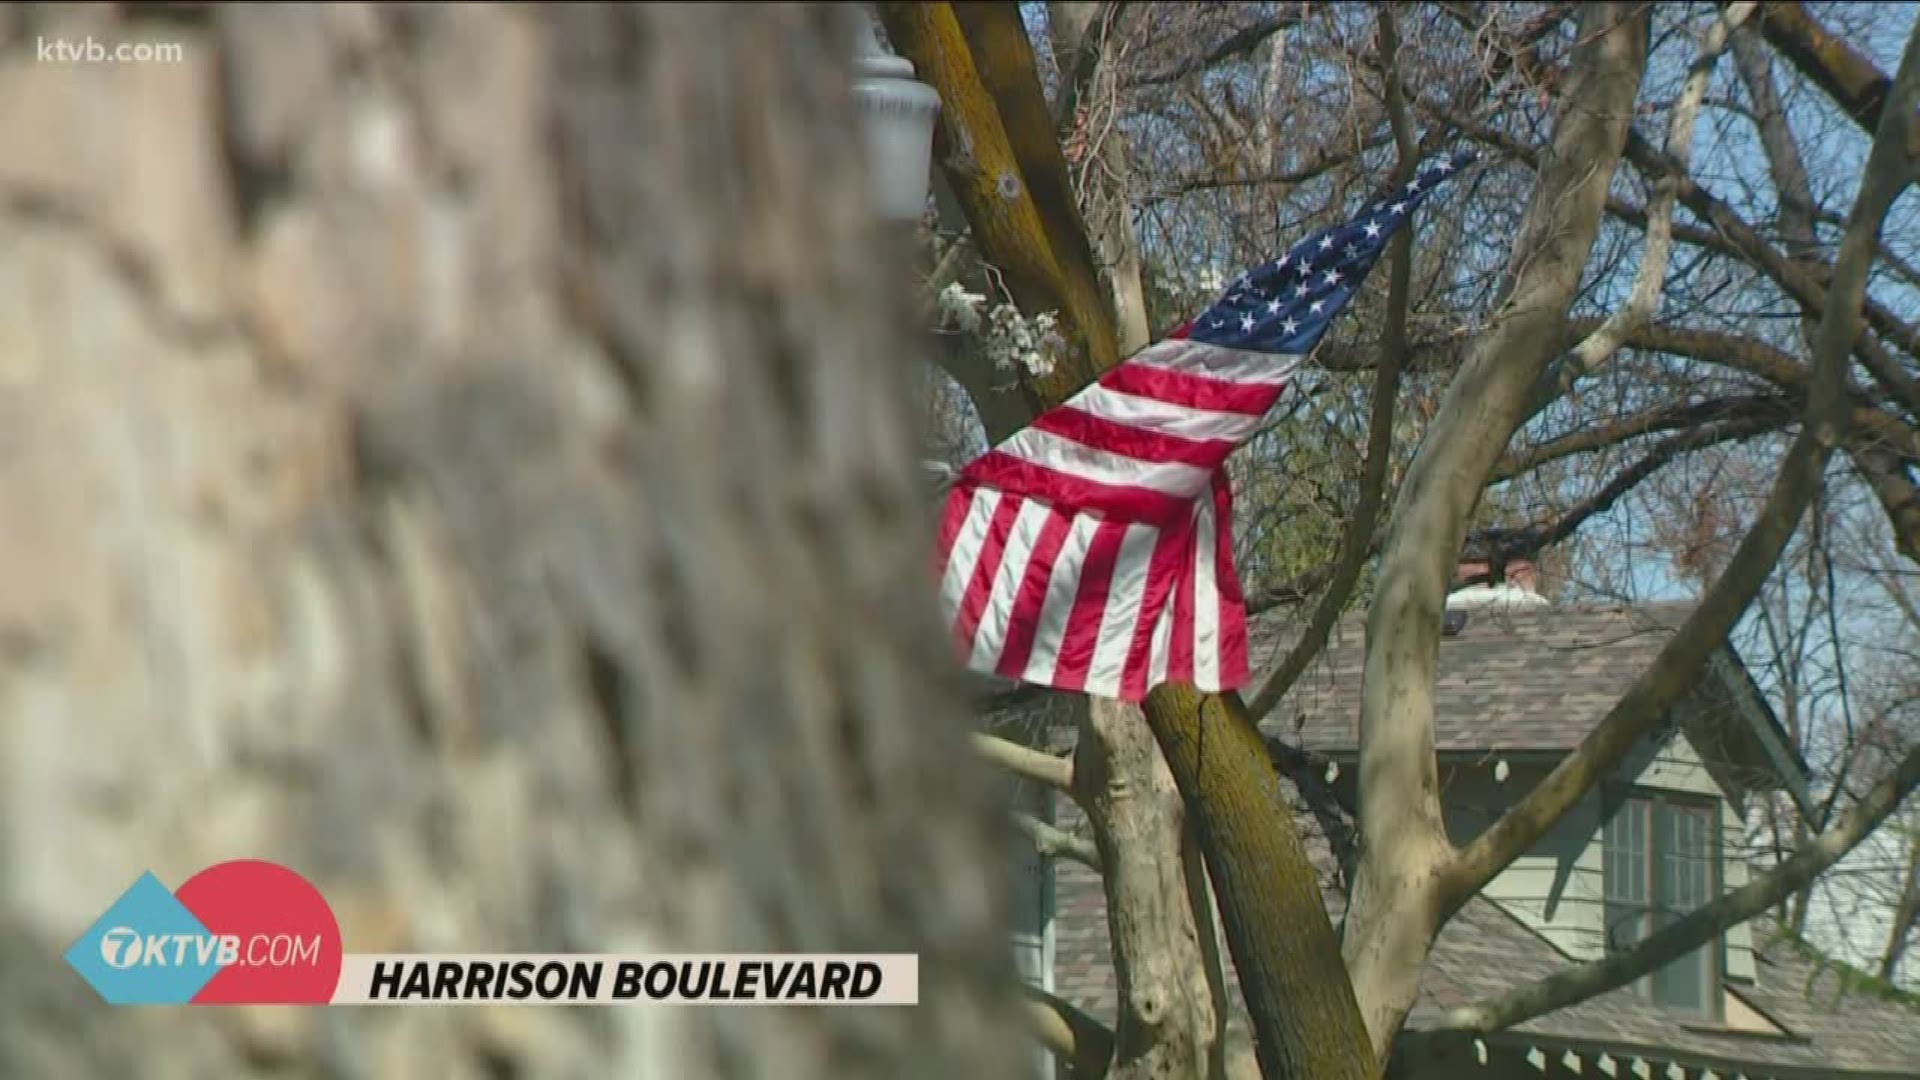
[{"x": 1009, "y": 339}]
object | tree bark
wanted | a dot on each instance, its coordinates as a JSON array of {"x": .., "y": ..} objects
[
  {"x": 462, "y": 452},
  {"x": 1169, "y": 1018},
  {"x": 1306, "y": 1021}
]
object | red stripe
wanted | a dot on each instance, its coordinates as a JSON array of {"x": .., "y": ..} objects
[
  {"x": 1180, "y": 642},
  {"x": 1233, "y": 611},
  {"x": 1032, "y": 599},
  {"x": 1161, "y": 570},
  {"x": 1193, "y": 391},
  {"x": 1180, "y": 332},
  {"x": 1008, "y": 473},
  {"x": 959, "y": 501},
  {"x": 974, "y": 603},
  {"x": 1089, "y": 607},
  {"x": 1141, "y": 444}
]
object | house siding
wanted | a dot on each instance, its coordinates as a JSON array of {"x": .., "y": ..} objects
[{"x": 1559, "y": 887}]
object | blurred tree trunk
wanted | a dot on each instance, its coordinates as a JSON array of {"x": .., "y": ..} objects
[{"x": 461, "y": 453}]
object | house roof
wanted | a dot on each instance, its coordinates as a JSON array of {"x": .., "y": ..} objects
[
  {"x": 1535, "y": 678},
  {"x": 1483, "y": 952},
  {"x": 1513, "y": 678}
]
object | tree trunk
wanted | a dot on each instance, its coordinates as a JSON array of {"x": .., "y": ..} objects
[
  {"x": 1906, "y": 915},
  {"x": 1169, "y": 1017},
  {"x": 461, "y": 452},
  {"x": 1398, "y": 901},
  {"x": 1305, "y": 1018}
]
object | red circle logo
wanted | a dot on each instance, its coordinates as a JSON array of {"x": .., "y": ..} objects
[{"x": 279, "y": 943}]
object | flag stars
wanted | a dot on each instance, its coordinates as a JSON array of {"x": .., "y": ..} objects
[
  {"x": 1373, "y": 229},
  {"x": 1306, "y": 269},
  {"x": 1444, "y": 165},
  {"x": 1273, "y": 306},
  {"x": 1326, "y": 242},
  {"x": 1288, "y": 327},
  {"x": 1398, "y": 208},
  {"x": 1246, "y": 324},
  {"x": 1333, "y": 277},
  {"x": 1301, "y": 289},
  {"x": 1316, "y": 306},
  {"x": 1352, "y": 252}
]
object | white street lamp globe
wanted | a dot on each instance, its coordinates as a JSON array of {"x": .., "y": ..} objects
[{"x": 897, "y": 114}]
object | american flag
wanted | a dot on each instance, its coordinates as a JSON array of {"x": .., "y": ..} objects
[{"x": 1093, "y": 550}]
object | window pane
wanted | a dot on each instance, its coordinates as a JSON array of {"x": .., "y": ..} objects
[
  {"x": 1626, "y": 874},
  {"x": 1626, "y": 854},
  {"x": 1683, "y": 881}
]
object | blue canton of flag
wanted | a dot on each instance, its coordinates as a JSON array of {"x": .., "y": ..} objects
[{"x": 1286, "y": 305}]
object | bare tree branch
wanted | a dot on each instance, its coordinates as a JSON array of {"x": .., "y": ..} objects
[
  {"x": 1675, "y": 416},
  {"x": 1335, "y": 816},
  {"x": 1644, "y": 296},
  {"x": 1082, "y": 1043},
  {"x": 1357, "y": 542},
  {"x": 1848, "y": 77},
  {"x": 1025, "y": 762},
  {"x": 1239, "y": 43},
  {"x": 1679, "y": 662},
  {"x": 1051, "y": 843},
  {"x": 1663, "y": 453},
  {"x": 1079, "y": 62}
]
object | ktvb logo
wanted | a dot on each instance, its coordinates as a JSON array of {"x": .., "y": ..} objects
[
  {"x": 244, "y": 932},
  {"x": 123, "y": 947}
]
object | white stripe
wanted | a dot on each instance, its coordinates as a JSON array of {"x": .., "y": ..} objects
[
  {"x": 1124, "y": 597},
  {"x": 1077, "y": 459},
  {"x": 966, "y": 549},
  {"x": 1062, "y": 589},
  {"x": 991, "y": 637},
  {"x": 1150, "y": 414},
  {"x": 1162, "y": 647},
  {"x": 1220, "y": 362},
  {"x": 1206, "y": 604}
]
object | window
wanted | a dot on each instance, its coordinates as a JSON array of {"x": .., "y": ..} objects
[{"x": 1662, "y": 861}]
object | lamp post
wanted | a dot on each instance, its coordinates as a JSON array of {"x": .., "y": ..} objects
[{"x": 896, "y": 113}]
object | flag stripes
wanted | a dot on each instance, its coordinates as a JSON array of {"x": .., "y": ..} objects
[
  {"x": 1093, "y": 550},
  {"x": 1086, "y": 552}
]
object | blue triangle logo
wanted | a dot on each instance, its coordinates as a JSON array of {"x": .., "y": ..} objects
[{"x": 148, "y": 949}]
